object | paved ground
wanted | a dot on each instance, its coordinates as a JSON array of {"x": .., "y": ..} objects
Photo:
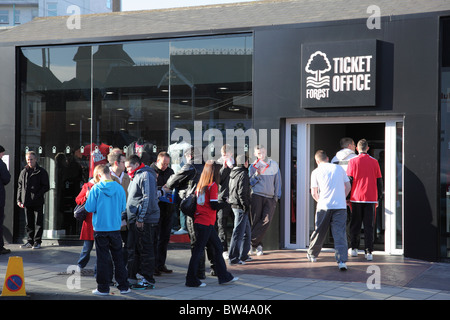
[{"x": 277, "y": 275}]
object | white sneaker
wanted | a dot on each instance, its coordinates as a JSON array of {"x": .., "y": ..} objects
[
  {"x": 354, "y": 253},
  {"x": 98, "y": 293},
  {"x": 369, "y": 256},
  {"x": 181, "y": 231},
  {"x": 311, "y": 258},
  {"x": 231, "y": 281},
  {"x": 342, "y": 266},
  {"x": 259, "y": 250}
]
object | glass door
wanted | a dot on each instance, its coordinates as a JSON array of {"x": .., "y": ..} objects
[{"x": 305, "y": 136}]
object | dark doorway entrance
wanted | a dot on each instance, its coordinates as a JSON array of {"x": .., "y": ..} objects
[{"x": 327, "y": 137}]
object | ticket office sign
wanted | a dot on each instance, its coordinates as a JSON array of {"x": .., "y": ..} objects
[{"x": 339, "y": 74}]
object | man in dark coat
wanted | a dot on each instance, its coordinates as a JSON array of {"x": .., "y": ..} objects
[
  {"x": 32, "y": 185},
  {"x": 161, "y": 166},
  {"x": 5, "y": 177}
]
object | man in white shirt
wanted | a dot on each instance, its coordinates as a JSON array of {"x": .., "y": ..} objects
[{"x": 329, "y": 187}]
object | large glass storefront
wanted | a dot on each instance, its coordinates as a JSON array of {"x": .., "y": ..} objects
[
  {"x": 445, "y": 140},
  {"x": 80, "y": 101}
]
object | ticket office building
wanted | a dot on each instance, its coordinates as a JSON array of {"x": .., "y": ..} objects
[{"x": 300, "y": 86}]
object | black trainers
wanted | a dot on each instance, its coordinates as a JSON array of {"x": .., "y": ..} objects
[
  {"x": 3, "y": 250},
  {"x": 142, "y": 285}
]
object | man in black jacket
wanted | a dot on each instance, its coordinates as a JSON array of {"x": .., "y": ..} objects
[
  {"x": 32, "y": 185},
  {"x": 161, "y": 166},
  {"x": 239, "y": 198},
  {"x": 227, "y": 162},
  {"x": 5, "y": 177}
]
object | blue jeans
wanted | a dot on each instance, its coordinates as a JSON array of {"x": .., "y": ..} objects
[
  {"x": 85, "y": 253},
  {"x": 204, "y": 235},
  {"x": 109, "y": 244},
  {"x": 240, "y": 239}
]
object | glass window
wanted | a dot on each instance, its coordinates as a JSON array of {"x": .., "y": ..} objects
[
  {"x": 210, "y": 83},
  {"x": 4, "y": 17},
  {"x": 16, "y": 16},
  {"x": 79, "y": 102},
  {"x": 52, "y": 10},
  {"x": 56, "y": 104}
]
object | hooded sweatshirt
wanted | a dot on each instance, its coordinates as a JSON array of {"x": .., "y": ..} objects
[
  {"x": 239, "y": 196},
  {"x": 342, "y": 157},
  {"x": 267, "y": 184},
  {"x": 106, "y": 201},
  {"x": 142, "y": 202}
]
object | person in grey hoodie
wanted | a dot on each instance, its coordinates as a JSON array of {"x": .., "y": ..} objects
[
  {"x": 143, "y": 218},
  {"x": 265, "y": 182}
]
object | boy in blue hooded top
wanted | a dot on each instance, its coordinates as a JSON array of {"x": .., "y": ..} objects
[{"x": 107, "y": 201}]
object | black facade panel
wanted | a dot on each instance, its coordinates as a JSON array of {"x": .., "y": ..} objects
[
  {"x": 407, "y": 70},
  {"x": 408, "y": 85}
]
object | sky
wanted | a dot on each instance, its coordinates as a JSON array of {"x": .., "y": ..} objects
[{"x": 130, "y": 5}]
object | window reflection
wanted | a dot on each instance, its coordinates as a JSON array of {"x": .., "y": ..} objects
[{"x": 78, "y": 102}]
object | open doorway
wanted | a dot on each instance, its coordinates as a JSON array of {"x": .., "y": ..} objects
[
  {"x": 327, "y": 137},
  {"x": 305, "y": 136}
]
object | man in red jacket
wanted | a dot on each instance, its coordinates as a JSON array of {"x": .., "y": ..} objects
[{"x": 367, "y": 186}]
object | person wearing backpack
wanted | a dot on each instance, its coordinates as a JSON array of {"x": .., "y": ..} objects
[{"x": 207, "y": 192}]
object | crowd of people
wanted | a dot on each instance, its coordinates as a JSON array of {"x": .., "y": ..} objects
[{"x": 130, "y": 216}]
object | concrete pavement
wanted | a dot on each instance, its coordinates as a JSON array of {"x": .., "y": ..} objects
[{"x": 277, "y": 275}]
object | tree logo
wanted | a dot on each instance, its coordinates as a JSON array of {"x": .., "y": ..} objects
[{"x": 318, "y": 64}]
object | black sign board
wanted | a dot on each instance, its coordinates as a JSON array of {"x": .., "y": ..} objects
[{"x": 339, "y": 74}]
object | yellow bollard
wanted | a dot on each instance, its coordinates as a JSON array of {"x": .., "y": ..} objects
[{"x": 14, "y": 280}]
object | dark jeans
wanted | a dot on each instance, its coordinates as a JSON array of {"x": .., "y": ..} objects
[
  {"x": 205, "y": 234},
  {"x": 362, "y": 213},
  {"x": 262, "y": 210},
  {"x": 109, "y": 244},
  {"x": 35, "y": 223},
  {"x": 164, "y": 228},
  {"x": 141, "y": 251},
  {"x": 222, "y": 219}
]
